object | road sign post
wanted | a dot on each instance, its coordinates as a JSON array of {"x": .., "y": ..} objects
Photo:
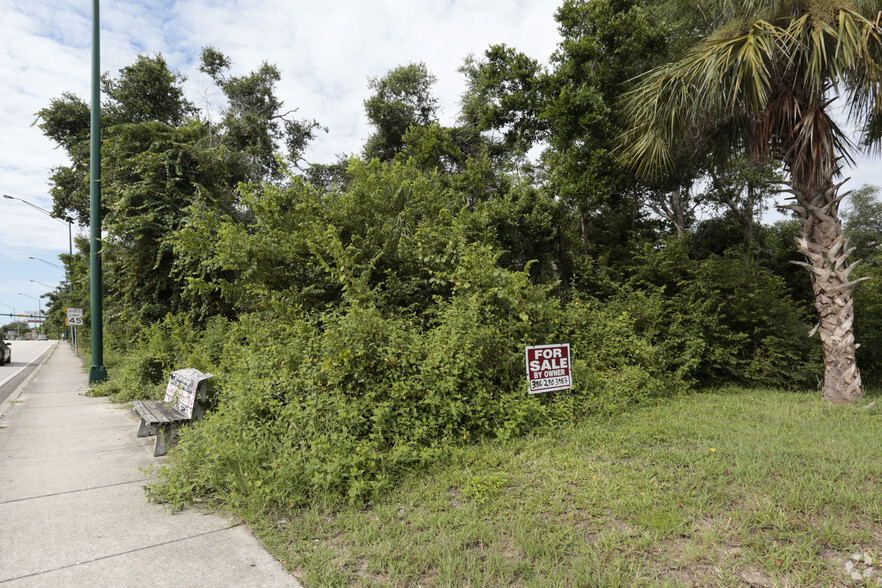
[{"x": 74, "y": 317}]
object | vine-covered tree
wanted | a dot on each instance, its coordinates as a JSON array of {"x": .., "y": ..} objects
[
  {"x": 165, "y": 168},
  {"x": 402, "y": 99},
  {"x": 254, "y": 124},
  {"x": 145, "y": 91}
]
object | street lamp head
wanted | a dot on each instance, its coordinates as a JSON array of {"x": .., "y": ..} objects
[
  {"x": 46, "y": 262},
  {"x": 8, "y": 196}
]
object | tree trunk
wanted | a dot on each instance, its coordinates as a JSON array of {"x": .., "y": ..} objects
[{"x": 826, "y": 254}]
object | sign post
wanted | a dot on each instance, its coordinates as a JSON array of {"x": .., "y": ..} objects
[
  {"x": 73, "y": 318},
  {"x": 549, "y": 367}
]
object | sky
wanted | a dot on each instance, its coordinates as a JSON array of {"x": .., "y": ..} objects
[{"x": 326, "y": 52}]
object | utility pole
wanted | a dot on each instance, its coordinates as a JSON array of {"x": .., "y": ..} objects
[{"x": 97, "y": 373}]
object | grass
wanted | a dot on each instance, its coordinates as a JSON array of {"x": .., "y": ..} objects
[{"x": 730, "y": 488}]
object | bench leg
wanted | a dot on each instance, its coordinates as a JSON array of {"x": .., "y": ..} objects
[
  {"x": 145, "y": 430},
  {"x": 165, "y": 435}
]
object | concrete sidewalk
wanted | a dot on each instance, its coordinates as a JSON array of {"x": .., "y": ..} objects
[{"x": 72, "y": 504}]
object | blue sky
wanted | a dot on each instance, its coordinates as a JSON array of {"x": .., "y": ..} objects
[{"x": 326, "y": 52}]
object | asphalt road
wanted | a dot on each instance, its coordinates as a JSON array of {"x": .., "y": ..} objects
[{"x": 26, "y": 357}]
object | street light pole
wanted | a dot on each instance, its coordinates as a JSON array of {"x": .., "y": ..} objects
[
  {"x": 70, "y": 289},
  {"x": 97, "y": 373},
  {"x": 46, "y": 262},
  {"x": 69, "y": 237}
]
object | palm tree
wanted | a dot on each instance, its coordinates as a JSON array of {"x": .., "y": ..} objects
[{"x": 765, "y": 81}]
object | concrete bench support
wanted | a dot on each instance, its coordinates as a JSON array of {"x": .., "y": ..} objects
[{"x": 159, "y": 420}]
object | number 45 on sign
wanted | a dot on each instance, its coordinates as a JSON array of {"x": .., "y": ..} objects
[{"x": 74, "y": 317}]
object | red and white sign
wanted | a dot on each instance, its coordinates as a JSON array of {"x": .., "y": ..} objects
[{"x": 549, "y": 367}]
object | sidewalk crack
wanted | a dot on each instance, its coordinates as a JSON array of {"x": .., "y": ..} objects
[
  {"x": 72, "y": 491},
  {"x": 135, "y": 550}
]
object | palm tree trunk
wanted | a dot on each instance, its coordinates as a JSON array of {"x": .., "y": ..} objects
[{"x": 825, "y": 250}]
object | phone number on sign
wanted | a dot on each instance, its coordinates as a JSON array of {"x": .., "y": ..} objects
[{"x": 543, "y": 383}]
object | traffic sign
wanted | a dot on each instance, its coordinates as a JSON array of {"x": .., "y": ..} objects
[{"x": 74, "y": 317}]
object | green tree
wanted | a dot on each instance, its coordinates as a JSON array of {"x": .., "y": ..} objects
[
  {"x": 144, "y": 91},
  {"x": 741, "y": 188},
  {"x": 153, "y": 175},
  {"x": 504, "y": 99},
  {"x": 164, "y": 169},
  {"x": 863, "y": 227},
  {"x": 605, "y": 43},
  {"x": 254, "y": 124},
  {"x": 863, "y": 223},
  {"x": 764, "y": 80},
  {"x": 571, "y": 109},
  {"x": 401, "y": 99}
]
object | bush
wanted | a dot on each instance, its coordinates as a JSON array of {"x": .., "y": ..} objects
[
  {"x": 140, "y": 368},
  {"x": 724, "y": 318},
  {"x": 340, "y": 405}
]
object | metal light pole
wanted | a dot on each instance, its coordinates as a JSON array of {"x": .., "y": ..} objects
[
  {"x": 70, "y": 285},
  {"x": 48, "y": 286},
  {"x": 69, "y": 237},
  {"x": 46, "y": 262},
  {"x": 97, "y": 373}
]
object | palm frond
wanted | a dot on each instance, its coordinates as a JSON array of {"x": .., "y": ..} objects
[
  {"x": 708, "y": 85},
  {"x": 773, "y": 80}
]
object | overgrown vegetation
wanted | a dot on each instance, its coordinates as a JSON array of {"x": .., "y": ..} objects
[{"x": 366, "y": 319}]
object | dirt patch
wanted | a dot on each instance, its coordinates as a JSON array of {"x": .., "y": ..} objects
[{"x": 756, "y": 578}]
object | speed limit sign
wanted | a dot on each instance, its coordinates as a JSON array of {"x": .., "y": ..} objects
[{"x": 74, "y": 317}]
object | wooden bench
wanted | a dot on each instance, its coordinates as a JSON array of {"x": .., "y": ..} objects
[{"x": 184, "y": 399}]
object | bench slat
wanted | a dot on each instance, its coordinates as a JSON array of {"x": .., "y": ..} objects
[{"x": 155, "y": 411}]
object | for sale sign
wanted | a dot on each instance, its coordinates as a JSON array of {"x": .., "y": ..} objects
[{"x": 549, "y": 367}]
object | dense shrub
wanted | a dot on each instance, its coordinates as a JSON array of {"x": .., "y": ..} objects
[
  {"x": 723, "y": 318},
  {"x": 382, "y": 325},
  {"x": 140, "y": 368},
  {"x": 338, "y": 406}
]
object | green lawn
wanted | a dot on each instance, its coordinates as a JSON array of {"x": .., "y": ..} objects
[{"x": 730, "y": 488}]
